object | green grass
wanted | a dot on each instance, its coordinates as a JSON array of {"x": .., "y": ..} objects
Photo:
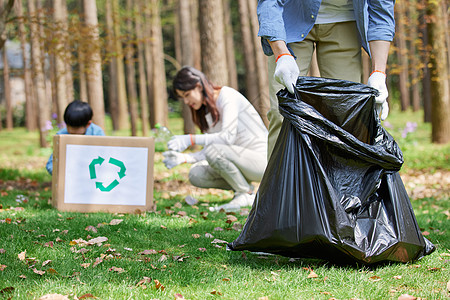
[{"x": 193, "y": 267}]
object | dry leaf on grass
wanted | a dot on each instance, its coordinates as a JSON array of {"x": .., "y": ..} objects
[
  {"x": 86, "y": 296},
  {"x": 375, "y": 278},
  {"x": 22, "y": 255},
  {"x": 39, "y": 272},
  {"x": 54, "y": 297},
  {"x": 116, "y": 269},
  {"x": 406, "y": 297},
  {"x": 312, "y": 274},
  {"x": 178, "y": 296},
  {"x": 2, "y": 267},
  {"x": 115, "y": 221},
  {"x": 158, "y": 285},
  {"x": 145, "y": 252}
]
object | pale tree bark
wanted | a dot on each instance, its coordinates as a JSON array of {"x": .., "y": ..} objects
[
  {"x": 211, "y": 40},
  {"x": 59, "y": 36},
  {"x": 30, "y": 103},
  {"x": 123, "y": 122},
  {"x": 145, "y": 7},
  {"x": 186, "y": 51},
  {"x": 131, "y": 72},
  {"x": 82, "y": 75},
  {"x": 261, "y": 65},
  {"x": 251, "y": 80},
  {"x": 402, "y": 55},
  {"x": 68, "y": 53},
  {"x": 38, "y": 75},
  {"x": 196, "y": 45},
  {"x": 440, "y": 90},
  {"x": 413, "y": 54},
  {"x": 143, "y": 98},
  {"x": 6, "y": 7},
  {"x": 229, "y": 45},
  {"x": 94, "y": 60},
  {"x": 113, "y": 96},
  {"x": 7, "y": 91},
  {"x": 159, "y": 87}
]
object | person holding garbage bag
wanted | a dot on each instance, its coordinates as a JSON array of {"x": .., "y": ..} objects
[
  {"x": 291, "y": 30},
  {"x": 233, "y": 135}
]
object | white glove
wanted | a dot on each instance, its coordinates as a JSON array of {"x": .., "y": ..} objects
[
  {"x": 179, "y": 142},
  {"x": 378, "y": 81},
  {"x": 286, "y": 72},
  {"x": 173, "y": 159}
]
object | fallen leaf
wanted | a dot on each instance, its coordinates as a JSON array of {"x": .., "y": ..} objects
[
  {"x": 237, "y": 226},
  {"x": 406, "y": 297},
  {"x": 46, "y": 262},
  {"x": 98, "y": 260},
  {"x": 116, "y": 269},
  {"x": 54, "y": 297},
  {"x": 49, "y": 244},
  {"x": 91, "y": 228},
  {"x": 145, "y": 280},
  {"x": 448, "y": 286},
  {"x": 85, "y": 265},
  {"x": 218, "y": 229},
  {"x": 39, "y": 272},
  {"x": 86, "y": 296},
  {"x": 217, "y": 241},
  {"x": 23, "y": 276},
  {"x": 202, "y": 249},
  {"x": 425, "y": 233},
  {"x": 8, "y": 289},
  {"x": 375, "y": 278},
  {"x": 226, "y": 279},
  {"x": 209, "y": 235},
  {"x": 196, "y": 235},
  {"x": 115, "y": 221},
  {"x": 151, "y": 251},
  {"x": 398, "y": 277},
  {"x": 98, "y": 240},
  {"x": 312, "y": 274},
  {"x": 128, "y": 249},
  {"x": 214, "y": 292},
  {"x": 22, "y": 255},
  {"x": 158, "y": 285},
  {"x": 58, "y": 240},
  {"x": 178, "y": 296},
  {"x": 51, "y": 271},
  {"x": 2, "y": 267},
  {"x": 2, "y": 251},
  {"x": 162, "y": 258},
  {"x": 263, "y": 298},
  {"x": 178, "y": 205},
  {"x": 231, "y": 218}
]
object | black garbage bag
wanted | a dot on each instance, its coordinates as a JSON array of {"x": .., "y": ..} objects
[{"x": 331, "y": 189}]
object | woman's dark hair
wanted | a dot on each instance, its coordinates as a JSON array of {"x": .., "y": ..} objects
[
  {"x": 187, "y": 79},
  {"x": 77, "y": 114}
]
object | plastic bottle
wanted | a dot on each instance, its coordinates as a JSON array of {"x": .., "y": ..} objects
[{"x": 162, "y": 134}]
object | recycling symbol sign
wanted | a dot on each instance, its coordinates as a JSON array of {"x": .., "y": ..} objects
[{"x": 111, "y": 185}]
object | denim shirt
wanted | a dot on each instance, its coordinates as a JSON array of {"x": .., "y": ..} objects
[
  {"x": 292, "y": 20},
  {"x": 91, "y": 130}
]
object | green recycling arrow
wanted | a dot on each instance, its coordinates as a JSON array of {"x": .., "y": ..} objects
[
  {"x": 120, "y": 164},
  {"x": 96, "y": 161},
  {"x": 112, "y": 185}
]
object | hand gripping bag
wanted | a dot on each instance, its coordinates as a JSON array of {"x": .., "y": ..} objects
[{"x": 331, "y": 189}]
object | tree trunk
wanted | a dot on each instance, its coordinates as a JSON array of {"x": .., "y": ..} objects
[
  {"x": 261, "y": 65},
  {"x": 148, "y": 60},
  {"x": 159, "y": 88},
  {"x": 94, "y": 63},
  {"x": 440, "y": 91},
  {"x": 196, "y": 45},
  {"x": 425, "y": 58},
  {"x": 131, "y": 72},
  {"x": 123, "y": 122},
  {"x": 5, "y": 9},
  {"x": 229, "y": 45},
  {"x": 186, "y": 50},
  {"x": 141, "y": 67},
  {"x": 30, "y": 103},
  {"x": 59, "y": 36},
  {"x": 402, "y": 55},
  {"x": 68, "y": 54},
  {"x": 251, "y": 80},
  {"x": 38, "y": 76},
  {"x": 7, "y": 91},
  {"x": 113, "y": 95},
  {"x": 82, "y": 75},
  {"x": 211, "y": 40},
  {"x": 413, "y": 61}
]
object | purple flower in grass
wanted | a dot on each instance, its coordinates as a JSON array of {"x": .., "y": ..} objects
[{"x": 410, "y": 127}]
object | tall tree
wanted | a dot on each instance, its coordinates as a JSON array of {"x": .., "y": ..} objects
[
  {"x": 123, "y": 121},
  {"x": 94, "y": 70},
  {"x": 5, "y": 9},
  {"x": 68, "y": 53},
  {"x": 402, "y": 54},
  {"x": 261, "y": 65},
  {"x": 159, "y": 88},
  {"x": 440, "y": 90},
  {"x": 131, "y": 72},
  {"x": 229, "y": 45},
  {"x": 60, "y": 57},
  {"x": 187, "y": 54},
  {"x": 412, "y": 14},
  {"x": 143, "y": 99},
  {"x": 212, "y": 41},
  {"x": 145, "y": 8},
  {"x": 113, "y": 96},
  {"x": 38, "y": 75},
  {"x": 7, "y": 91},
  {"x": 425, "y": 60},
  {"x": 196, "y": 46},
  {"x": 251, "y": 79}
]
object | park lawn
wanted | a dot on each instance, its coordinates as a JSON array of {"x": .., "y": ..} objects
[{"x": 178, "y": 249}]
